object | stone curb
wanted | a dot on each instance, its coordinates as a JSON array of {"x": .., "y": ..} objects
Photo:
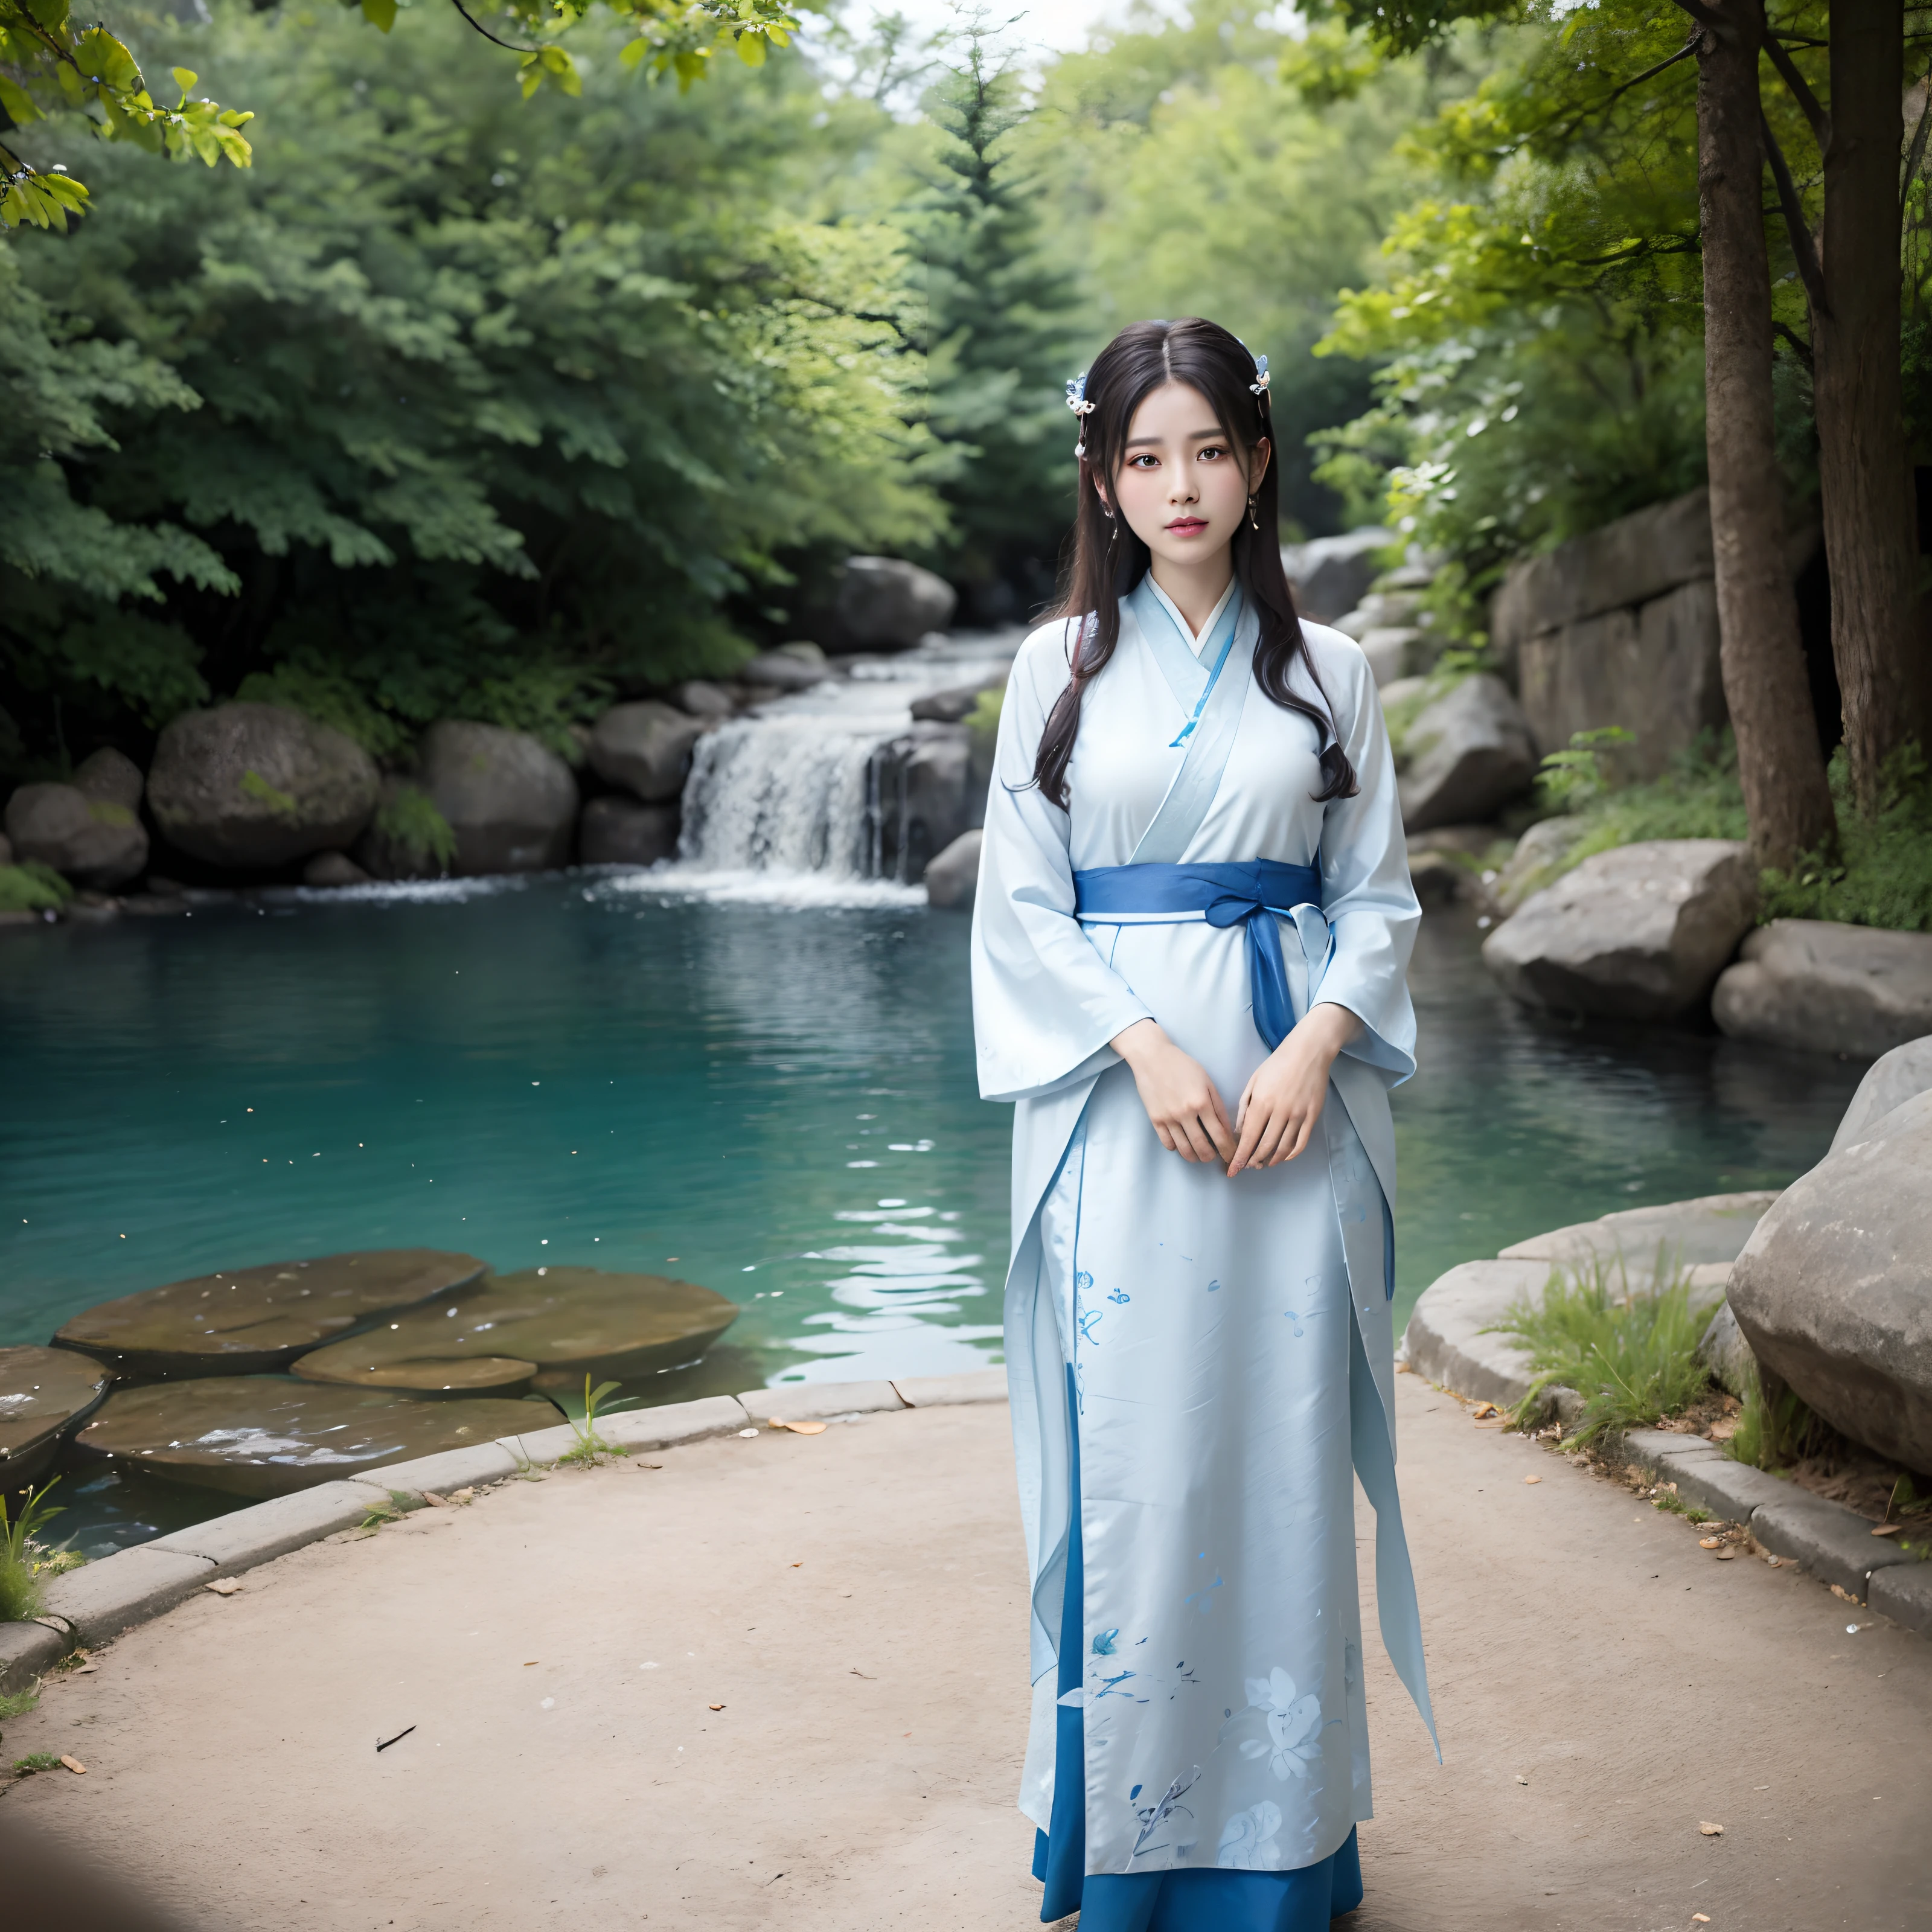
[
  {"x": 947, "y": 1391},
  {"x": 103, "y": 1599},
  {"x": 1832, "y": 1542},
  {"x": 1904, "y": 1594},
  {"x": 1445, "y": 1342}
]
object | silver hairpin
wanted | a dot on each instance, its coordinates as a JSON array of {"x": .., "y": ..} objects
[
  {"x": 1076, "y": 395},
  {"x": 1259, "y": 385}
]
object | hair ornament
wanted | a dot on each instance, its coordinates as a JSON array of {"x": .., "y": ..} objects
[
  {"x": 1076, "y": 395},
  {"x": 1259, "y": 385}
]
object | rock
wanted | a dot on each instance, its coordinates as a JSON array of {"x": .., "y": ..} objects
[
  {"x": 884, "y": 600},
  {"x": 1468, "y": 753},
  {"x": 621, "y": 832},
  {"x": 254, "y": 786},
  {"x": 111, "y": 775},
  {"x": 703, "y": 699},
  {"x": 1330, "y": 575},
  {"x": 1834, "y": 1290},
  {"x": 334, "y": 868},
  {"x": 954, "y": 706},
  {"x": 1539, "y": 853},
  {"x": 94, "y": 841},
  {"x": 927, "y": 796},
  {"x": 1438, "y": 876},
  {"x": 1397, "y": 651},
  {"x": 1451, "y": 1338},
  {"x": 43, "y": 1393},
  {"x": 1710, "y": 1230},
  {"x": 1380, "y": 610},
  {"x": 261, "y": 1436},
  {"x": 247, "y": 1321},
  {"x": 511, "y": 802},
  {"x": 803, "y": 649},
  {"x": 644, "y": 747},
  {"x": 568, "y": 1322},
  {"x": 1818, "y": 985},
  {"x": 6, "y": 850},
  {"x": 773, "y": 669},
  {"x": 953, "y": 879},
  {"x": 1727, "y": 1355},
  {"x": 1889, "y": 1082},
  {"x": 1637, "y": 933}
]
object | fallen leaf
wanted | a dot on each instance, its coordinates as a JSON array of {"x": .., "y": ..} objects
[
  {"x": 223, "y": 1586},
  {"x": 530, "y": 1664},
  {"x": 718, "y": 1707},
  {"x": 435, "y": 1502},
  {"x": 461, "y": 1495},
  {"x": 1710, "y": 1543},
  {"x": 1700, "y": 1918},
  {"x": 799, "y": 1565},
  {"x": 1709, "y": 1830},
  {"x": 1727, "y": 1555},
  {"x": 74, "y": 1765},
  {"x": 1483, "y": 1410},
  {"x": 805, "y": 1428},
  {"x": 1532, "y": 1479},
  {"x": 1887, "y": 1529},
  {"x": 1843, "y": 1595}
]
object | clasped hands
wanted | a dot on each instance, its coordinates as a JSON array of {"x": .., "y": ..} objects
[{"x": 1279, "y": 1107}]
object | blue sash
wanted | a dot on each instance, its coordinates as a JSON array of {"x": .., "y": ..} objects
[{"x": 1246, "y": 893}]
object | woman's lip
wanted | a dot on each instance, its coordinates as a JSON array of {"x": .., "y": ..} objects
[{"x": 1184, "y": 524}]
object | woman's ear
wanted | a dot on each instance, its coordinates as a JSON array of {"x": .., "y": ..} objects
[
  {"x": 1100, "y": 490},
  {"x": 1257, "y": 463}
]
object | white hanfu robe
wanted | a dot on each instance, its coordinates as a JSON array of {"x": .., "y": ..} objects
[{"x": 1230, "y": 1342}]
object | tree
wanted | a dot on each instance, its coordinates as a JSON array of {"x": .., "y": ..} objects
[
  {"x": 462, "y": 407},
  {"x": 52, "y": 65}
]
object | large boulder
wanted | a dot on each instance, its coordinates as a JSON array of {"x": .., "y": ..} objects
[
  {"x": 618, "y": 831},
  {"x": 1637, "y": 933},
  {"x": 1814, "y": 983},
  {"x": 1329, "y": 576},
  {"x": 254, "y": 786},
  {"x": 779, "y": 670},
  {"x": 1466, "y": 755},
  {"x": 644, "y": 747},
  {"x": 1708, "y": 1231},
  {"x": 112, "y": 776},
  {"x": 1890, "y": 1082},
  {"x": 1834, "y": 1290},
  {"x": 927, "y": 796},
  {"x": 94, "y": 841},
  {"x": 884, "y": 600},
  {"x": 953, "y": 878},
  {"x": 511, "y": 801},
  {"x": 1538, "y": 857}
]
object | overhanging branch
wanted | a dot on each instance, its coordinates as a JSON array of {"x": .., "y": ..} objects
[
  {"x": 1801, "y": 92},
  {"x": 1803, "y": 248}
]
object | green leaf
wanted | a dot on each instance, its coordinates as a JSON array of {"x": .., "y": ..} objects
[
  {"x": 20, "y": 109},
  {"x": 752, "y": 50},
  {"x": 101, "y": 57},
  {"x": 185, "y": 77},
  {"x": 52, "y": 14},
  {"x": 381, "y": 14}
]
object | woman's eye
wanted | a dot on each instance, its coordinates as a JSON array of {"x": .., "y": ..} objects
[{"x": 1141, "y": 462}]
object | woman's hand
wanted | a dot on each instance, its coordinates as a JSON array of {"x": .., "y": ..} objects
[
  {"x": 1179, "y": 1097},
  {"x": 1281, "y": 1102}
]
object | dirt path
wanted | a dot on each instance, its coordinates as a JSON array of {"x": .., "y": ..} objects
[{"x": 855, "y": 1602}]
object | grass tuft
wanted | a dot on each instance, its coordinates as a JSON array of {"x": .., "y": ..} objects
[
  {"x": 583, "y": 1452},
  {"x": 23, "y": 1561},
  {"x": 32, "y": 886},
  {"x": 1882, "y": 875},
  {"x": 1629, "y": 1352}
]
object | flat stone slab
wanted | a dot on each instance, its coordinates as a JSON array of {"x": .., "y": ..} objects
[
  {"x": 102, "y": 1599},
  {"x": 945, "y": 1391},
  {"x": 565, "y": 1322},
  {"x": 43, "y": 1393},
  {"x": 1903, "y": 1593},
  {"x": 1711, "y": 1228},
  {"x": 452, "y": 1469},
  {"x": 259, "y": 1436},
  {"x": 240, "y": 1541},
  {"x": 675, "y": 1422},
  {"x": 814, "y": 1402},
  {"x": 1830, "y": 1541},
  {"x": 27, "y": 1651},
  {"x": 248, "y": 1321},
  {"x": 1445, "y": 1341}
]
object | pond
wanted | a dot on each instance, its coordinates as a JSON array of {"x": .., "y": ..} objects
[{"x": 774, "y": 1099}]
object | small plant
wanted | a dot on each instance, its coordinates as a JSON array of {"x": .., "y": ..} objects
[
  {"x": 399, "y": 1505},
  {"x": 589, "y": 1445},
  {"x": 1572, "y": 778},
  {"x": 1631, "y": 1353},
  {"x": 32, "y": 886},
  {"x": 1882, "y": 873},
  {"x": 37, "y": 1761},
  {"x": 411, "y": 823},
  {"x": 1773, "y": 1433},
  {"x": 18, "y": 1703},
  {"x": 23, "y": 1561},
  {"x": 1669, "y": 1499}
]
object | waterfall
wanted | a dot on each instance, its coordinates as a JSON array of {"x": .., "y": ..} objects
[{"x": 800, "y": 793}]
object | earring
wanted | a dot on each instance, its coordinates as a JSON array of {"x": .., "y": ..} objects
[{"x": 1252, "y": 523}]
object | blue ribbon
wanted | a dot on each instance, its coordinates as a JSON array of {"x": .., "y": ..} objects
[{"x": 1245, "y": 893}]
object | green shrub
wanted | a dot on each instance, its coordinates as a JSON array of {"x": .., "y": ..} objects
[
  {"x": 31, "y": 887},
  {"x": 411, "y": 823},
  {"x": 1630, "y": 1352},
  {"x": 1698, "y": 796},
  {"x": 19, "y": 1568},
  {"x": 1883, "y": 875}
]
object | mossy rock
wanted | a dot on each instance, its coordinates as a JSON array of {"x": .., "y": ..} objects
[
  {"x": 264, "y": 1436},
  {"x": 246, "y": 1321},
  {"x": 569, "y": 1322},
  {"x": 43, "y": 1393}
]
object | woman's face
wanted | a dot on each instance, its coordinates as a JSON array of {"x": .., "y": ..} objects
[{"x": 1182, "y": 486}]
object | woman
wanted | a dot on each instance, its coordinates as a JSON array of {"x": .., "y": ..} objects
[{"x": 1193, "y": 889}]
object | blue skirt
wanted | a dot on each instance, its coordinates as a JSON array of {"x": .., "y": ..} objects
[{"x": 1196, "y": 1899}]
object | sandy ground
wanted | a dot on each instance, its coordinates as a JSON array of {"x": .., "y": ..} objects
[{"x": 855, "y": 1602}]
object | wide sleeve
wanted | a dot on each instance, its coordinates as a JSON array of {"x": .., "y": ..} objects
[
  {"x": 1366, "y": 894},
  {"x": 1045, "y": 1003}
]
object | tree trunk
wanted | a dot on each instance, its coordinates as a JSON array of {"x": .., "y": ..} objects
[
  {"x": 1863, "y": 467},
  {"x": 1766, "y": 686}
]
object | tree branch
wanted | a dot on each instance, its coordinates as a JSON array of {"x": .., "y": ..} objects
[
  {"x": 1916, "y": 153},
  {"x": 1803, "y": 249},
  {"x": 1801, "y": 92},
  {"x": 1707, "y": 16},
  {"x": 507, "y": 47},
  {"x": 1800, "y": 347}
]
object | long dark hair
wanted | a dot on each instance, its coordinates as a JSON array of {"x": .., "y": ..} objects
[{"x": 1107, "y": 560}]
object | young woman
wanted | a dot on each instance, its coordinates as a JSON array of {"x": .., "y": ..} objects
[{"x": 1193, "y": 921}]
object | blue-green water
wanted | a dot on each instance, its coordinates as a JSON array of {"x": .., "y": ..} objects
[{"x": 775, "y": 1101}]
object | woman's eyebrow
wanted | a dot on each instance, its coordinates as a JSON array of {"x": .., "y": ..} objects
[{"x": 1216, "y": 434}]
